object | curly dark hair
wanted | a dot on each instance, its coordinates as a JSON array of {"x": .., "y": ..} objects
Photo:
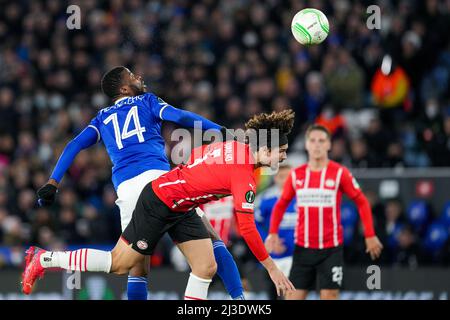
[{"x": 282, "y": 121}]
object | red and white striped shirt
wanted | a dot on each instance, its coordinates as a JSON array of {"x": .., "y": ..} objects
[
  {"x": 220, "y": 214},
  {"x": 319, "y": 195}
]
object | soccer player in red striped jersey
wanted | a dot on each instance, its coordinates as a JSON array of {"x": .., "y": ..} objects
[
  {"x": 220, "y": 215},
  {"x": 318, "y": 187},
  {"x": 168, "y": 203}
]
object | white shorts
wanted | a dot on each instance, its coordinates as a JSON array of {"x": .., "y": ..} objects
[
  {"x": 128, "y": 193},
  {"x": 284, "y": 264}
]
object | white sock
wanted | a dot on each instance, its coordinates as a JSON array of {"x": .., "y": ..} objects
[
  {"x": 197, "y": 288},
  {"x": 79, "y": 260}
]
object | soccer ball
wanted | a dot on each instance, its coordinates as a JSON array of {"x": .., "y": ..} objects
[{"x": 310, "y": 26}]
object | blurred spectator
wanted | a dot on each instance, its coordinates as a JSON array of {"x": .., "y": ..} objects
[
  {"x": 93, "y": 226},
  {"x": 67, "y": 227},
  {"x": 359, "y": 151},
  {"x": 437, "y": 142},
  {"x": 378, "y": 136},
  {"x": 394, "y": 219},
  {"x": 408, "y": 253},
  {"x": 332, "y": 120},
  {"x": 315, "y": 95},
  {"x": 390, "y": 88},
  {"x": 345, "y": 80}
]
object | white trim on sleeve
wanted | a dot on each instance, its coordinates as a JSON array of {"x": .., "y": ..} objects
[
  {"x": 98, "y": 132},
  {"x": 160, "y": 112}
]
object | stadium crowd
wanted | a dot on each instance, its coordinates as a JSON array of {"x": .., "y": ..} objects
[{"x": 225, "y": 60}]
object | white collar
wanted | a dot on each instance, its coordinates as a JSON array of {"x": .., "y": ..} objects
[{"x": 118, "y": 100}]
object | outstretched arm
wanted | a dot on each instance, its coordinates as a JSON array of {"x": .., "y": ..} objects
[
  {"x": 186, "y": 119},
  {"x": 88, "y": 137},
  {"x": 85, "y": 139}
]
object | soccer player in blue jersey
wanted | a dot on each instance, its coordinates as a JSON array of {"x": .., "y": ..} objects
[
  {"x": 264, "y": 203},
  {"x": 131, "y": 132}
]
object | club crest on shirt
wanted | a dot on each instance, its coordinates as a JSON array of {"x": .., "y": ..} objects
[
  {"x": 330, "y": 183},
  {"x": 246, "y": 205},
  {"x": 162, "y": 102},
  {"x": 142, "y": 244},
  {"x": 300, "y": 182}
]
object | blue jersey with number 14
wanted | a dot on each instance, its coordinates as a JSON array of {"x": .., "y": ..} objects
[{"x": 131, "y": 132}]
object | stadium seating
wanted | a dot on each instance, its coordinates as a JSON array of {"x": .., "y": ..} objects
[
  {"x": 417, "y": 214},
  {"x": 445, "y": 215},
  {"x": 435, "y": 237}
]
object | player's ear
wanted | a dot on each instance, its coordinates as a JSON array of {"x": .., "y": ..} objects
[{"x": 124, "y": 90}]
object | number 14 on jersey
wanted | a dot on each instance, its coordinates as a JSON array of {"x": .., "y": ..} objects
[{"x": 126, "y": 133}]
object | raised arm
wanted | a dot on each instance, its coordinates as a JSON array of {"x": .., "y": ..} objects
[
  {"x": 88, "y": 137},
  {"x": 187, "y": 119}
]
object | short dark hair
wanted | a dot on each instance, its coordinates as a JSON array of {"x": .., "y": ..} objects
[
  {"x": 318, "y": 127},
  {"x": 112, "y": 81}
]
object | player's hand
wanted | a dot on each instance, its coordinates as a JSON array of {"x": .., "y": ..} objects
[
  {"x": 373, "y": 247},
  {"x": 279, "y": 247},
  {"x": 272, "y": 242},
  {"x": 282, "y": 283},
  {"x": 46, "y": 195}
]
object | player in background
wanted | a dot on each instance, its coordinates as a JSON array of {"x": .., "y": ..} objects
[
  {"x": 167, "y": 205},
  {"x": 131, "y": 132},
  {"x": 264, "y": 203},
  {"x": 318, "y": 187},
  {"x": 220, "y": 215}
]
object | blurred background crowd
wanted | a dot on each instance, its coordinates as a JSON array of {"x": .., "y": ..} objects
[{"x": 225, "y": 60}]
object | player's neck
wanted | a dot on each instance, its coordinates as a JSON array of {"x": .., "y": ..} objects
[{"x": 317, "y": 164}]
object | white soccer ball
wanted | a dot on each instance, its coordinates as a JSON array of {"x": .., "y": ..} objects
[{"x": 310, "y": 26}]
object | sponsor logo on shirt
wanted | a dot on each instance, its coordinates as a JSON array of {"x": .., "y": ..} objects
[
  {"x": 330, "y": 183},
  {"x": 316, "y": 198},
  {"x": 246, "y": 205}
]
